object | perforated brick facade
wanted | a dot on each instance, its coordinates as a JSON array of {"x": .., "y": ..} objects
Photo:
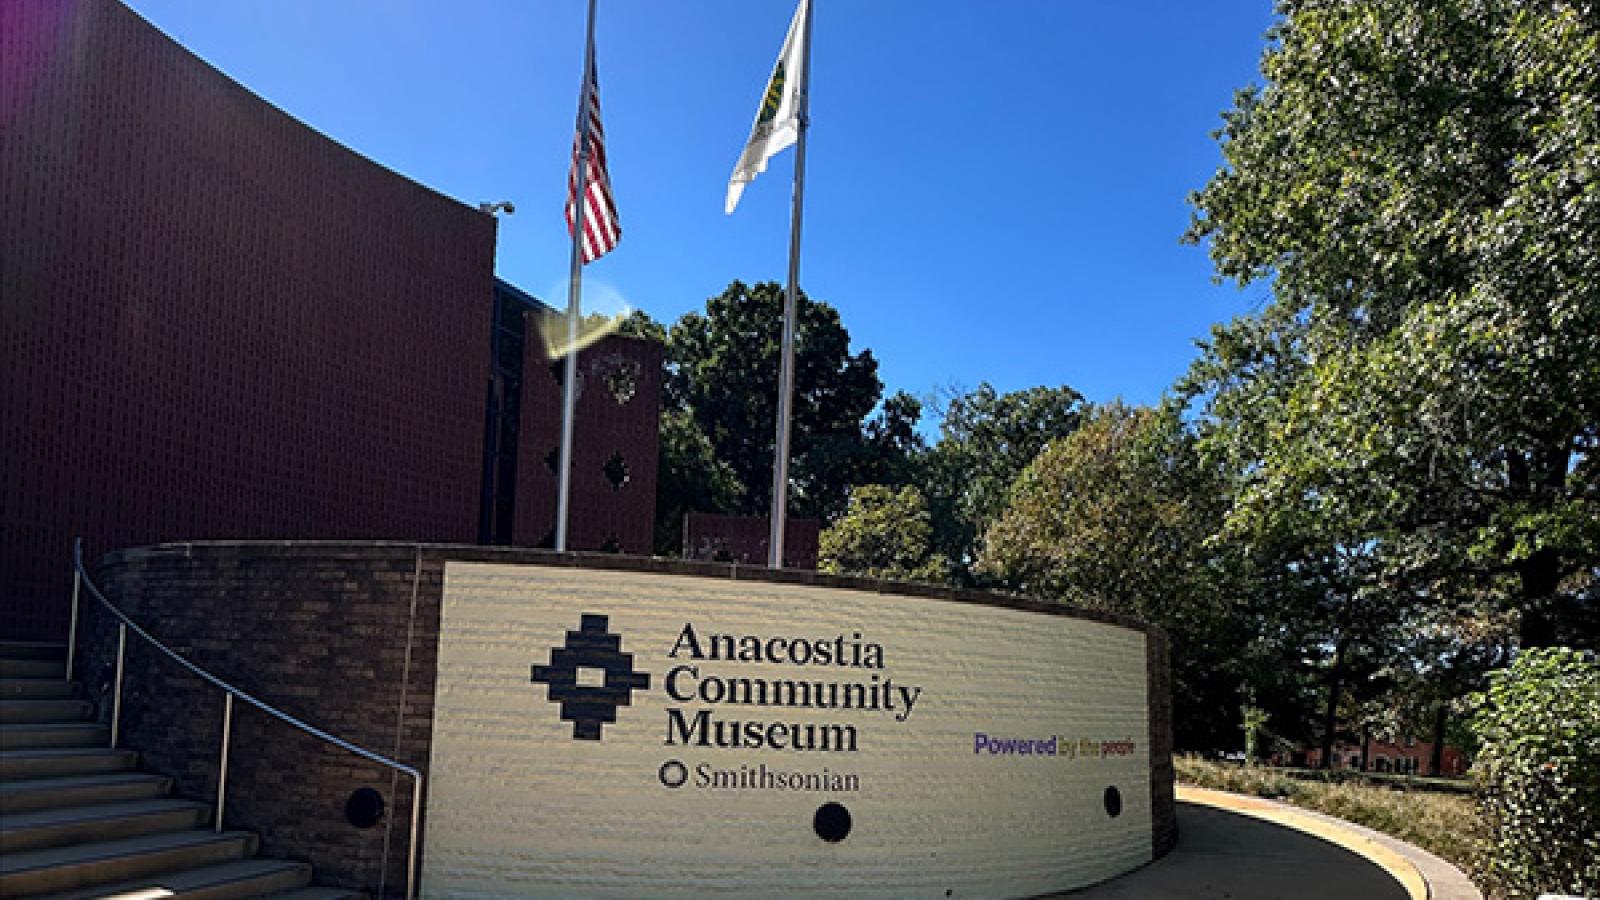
[{"x": 614, "y": 447}]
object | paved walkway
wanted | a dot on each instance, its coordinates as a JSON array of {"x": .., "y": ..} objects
[{"x": 1245, "y": 848}]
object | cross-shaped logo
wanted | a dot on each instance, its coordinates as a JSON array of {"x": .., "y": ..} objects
[{"x": 591, "y": 650}]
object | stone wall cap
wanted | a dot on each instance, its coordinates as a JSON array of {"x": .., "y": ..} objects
[{"x": 446, "y": 552}]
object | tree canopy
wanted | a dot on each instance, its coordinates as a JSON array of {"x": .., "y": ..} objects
[
  {"x": 1100, "y": 517},
  {"x": 1417, "y": 183},
  {"x": 1118, "y": 515},
  {"x": 884, "y": 533},
  {"x": 724, "y": 373},
  {"x": 986, "y": 439}
]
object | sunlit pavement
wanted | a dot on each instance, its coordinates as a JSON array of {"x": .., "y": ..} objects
[{"x": 1223, "y": 853}]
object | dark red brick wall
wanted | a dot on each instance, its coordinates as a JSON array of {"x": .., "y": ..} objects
[
  {"x": 214, "y": 321},
  {"x": 745, "y": 539},
  {"x": 612, "y": 421}
]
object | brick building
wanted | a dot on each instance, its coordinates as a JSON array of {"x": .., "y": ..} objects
[
  {"x": 1406, "y": 756},
  {"x": 216, "y": 322},
  {"x": 747, "y": 539},
  {"x": 614, "y": 449}
]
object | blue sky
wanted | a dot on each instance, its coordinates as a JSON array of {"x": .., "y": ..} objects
[{"x": 995, "y": 188}]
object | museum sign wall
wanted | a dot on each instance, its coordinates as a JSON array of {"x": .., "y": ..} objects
[
  {"x": 605, "y": 725},
  {"x": 633, "y": 733}
]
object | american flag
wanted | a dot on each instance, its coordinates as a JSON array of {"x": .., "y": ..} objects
[{"x": 601, "y": 228}]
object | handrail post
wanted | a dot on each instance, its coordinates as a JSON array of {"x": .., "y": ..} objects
[
  {"x": 116, "y": 695},
  {"x": 72, "y": 630},
  {"x": 411, "y": 851},
  {"x": 222, "y": 773}
]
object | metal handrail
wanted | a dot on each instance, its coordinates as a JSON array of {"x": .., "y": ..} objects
[{"x": 80, "y": 577}]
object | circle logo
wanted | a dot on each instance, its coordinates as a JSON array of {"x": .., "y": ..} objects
[{"x": 673, "y": 774}]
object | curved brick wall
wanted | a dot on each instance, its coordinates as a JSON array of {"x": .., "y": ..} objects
[
  {"x": 347, "y": 636},
  {"x": 216, "y": 322}
]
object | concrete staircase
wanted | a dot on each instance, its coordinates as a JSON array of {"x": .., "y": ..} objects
[{"x": 80, "y": 820}]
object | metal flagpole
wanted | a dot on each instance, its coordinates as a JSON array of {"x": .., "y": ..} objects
[
  {"x": 569, "y": 392},
  {"x": 780, "y": 468}
]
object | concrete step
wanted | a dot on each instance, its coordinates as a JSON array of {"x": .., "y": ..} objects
[
  {"x": 25, "y": 711},
  {"x": 36, "y": 689},
  {"x": 102, "y": 822},
  {"x": 112, "y": 862},
  {"x": 32, "y": 650},
  {"x": 224, "y": 881},
  {"x": 26, "y": 735},
  {"x": 317, "y": 893},
  {"x": 54, "y": 762},
  {"x": 80, "y": 790},
  {"x": 33, "y": 668}
]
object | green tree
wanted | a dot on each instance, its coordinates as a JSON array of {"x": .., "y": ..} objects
[
  {"x": 638, "y": 323},
  {"x": 1119, "y": 516},
  {"x": 724, "y": 373},
  {"x": 1451, "y": 649},
  {"x": 884, "y": 533},
  {"x": 1320, "y": 595},
  {"x": 986, "y": 440},
  {"x": 690, "y": 478},
  {"x": 1416, "y": 182},
  {"x": 1105, "y": 517},
  {"x": 894, "y": 448}
]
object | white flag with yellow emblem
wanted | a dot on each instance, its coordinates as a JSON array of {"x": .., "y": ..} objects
[{"x": 778, "y": 119}]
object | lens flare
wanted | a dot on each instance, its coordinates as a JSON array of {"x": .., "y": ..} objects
[{"x": 603, "y": 309}]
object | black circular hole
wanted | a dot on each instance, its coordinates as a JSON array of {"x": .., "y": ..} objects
[
  {"x": 1113, "y": 802},
  {"x": 364, "y": 809},
  {"x": 832, "y": 822}
]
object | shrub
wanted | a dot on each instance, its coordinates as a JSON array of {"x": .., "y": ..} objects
[
  {"x": 1254, "y": 781},
  {"x": 1538, "y": 773}
]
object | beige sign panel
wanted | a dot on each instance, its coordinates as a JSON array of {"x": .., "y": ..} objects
[{"x": 624, "y": 734}]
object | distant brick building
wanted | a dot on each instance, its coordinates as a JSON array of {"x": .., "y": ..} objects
[
  {"x": 745, "y": 539},
  {"x": 1407, "y": 756},
  {"x": 215, "y": 322}
]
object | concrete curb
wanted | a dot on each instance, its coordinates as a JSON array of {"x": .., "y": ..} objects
[{"x": 1424, "y": 875}]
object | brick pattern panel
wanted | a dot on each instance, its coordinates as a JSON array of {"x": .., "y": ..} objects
[
  {"x": 214, "y": 321},
  {"x": 618, "y": 423}
]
